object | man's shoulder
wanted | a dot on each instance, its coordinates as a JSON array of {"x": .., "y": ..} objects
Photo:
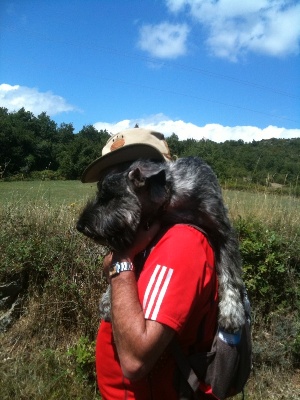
[{"x": 186, "y": 230}]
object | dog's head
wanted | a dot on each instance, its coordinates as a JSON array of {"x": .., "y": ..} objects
[{"x": 124, "y": 201}]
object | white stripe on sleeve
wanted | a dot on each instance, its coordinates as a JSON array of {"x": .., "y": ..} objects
[
  {"x": 150, "y": 284},
  {"x": 162, "y": 294},
  {"x": 156, "y": 289}
]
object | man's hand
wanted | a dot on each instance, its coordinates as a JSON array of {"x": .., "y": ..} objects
[
  {"x": 107, "y": 261},
  {"x": 142, "y": 240}
]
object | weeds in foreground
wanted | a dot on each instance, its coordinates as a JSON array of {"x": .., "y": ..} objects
[{"x": 41, "y": 374}]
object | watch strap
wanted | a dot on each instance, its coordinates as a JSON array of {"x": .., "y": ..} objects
[{"x": 118, "y": 267}]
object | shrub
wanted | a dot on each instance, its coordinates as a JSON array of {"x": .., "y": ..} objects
[
  {"x": 46, "y": 174},
  {"x": 271, "y": 274},
  {"x": 62, "y": 282},
  {"x": 83, "y": 354},
  {"x": 270, "y": 266},
  {"x": 56, "y": 264}
]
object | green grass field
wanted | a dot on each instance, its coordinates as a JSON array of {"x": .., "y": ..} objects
[
  {"x": 266, "y": 207},
  {"x": 50, "y": 193}
]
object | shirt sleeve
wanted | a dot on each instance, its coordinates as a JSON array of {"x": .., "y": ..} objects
[{"x": 177, "y": 275}]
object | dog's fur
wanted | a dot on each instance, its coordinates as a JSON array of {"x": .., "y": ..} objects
[{"x": 182, "y": 191}]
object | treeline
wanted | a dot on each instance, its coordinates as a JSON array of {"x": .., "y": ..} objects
[
  {"x": 36, "y": 147},
  {"x": 29, "y": 145},
  {"x": 265, "y": 162}
]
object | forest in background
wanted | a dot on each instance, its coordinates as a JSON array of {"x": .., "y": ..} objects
[{"x": 35, "y": 147}]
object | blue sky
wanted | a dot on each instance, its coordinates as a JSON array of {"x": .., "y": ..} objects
[{"x": 225, "y": 69}]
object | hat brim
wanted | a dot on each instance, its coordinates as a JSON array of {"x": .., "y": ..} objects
[{"x": 131, "y": 152}]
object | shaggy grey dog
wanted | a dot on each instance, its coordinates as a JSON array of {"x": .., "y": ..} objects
[{"x": 182, "y": 191}]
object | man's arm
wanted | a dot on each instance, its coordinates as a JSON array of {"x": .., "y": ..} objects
[{"x": 139, "y": 342}]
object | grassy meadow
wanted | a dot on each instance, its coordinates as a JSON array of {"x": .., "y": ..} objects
[
  {"x": 48, "y": 353},
  {"x": 45, "y": 193}
]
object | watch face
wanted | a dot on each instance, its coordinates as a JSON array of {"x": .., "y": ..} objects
[{"x": 118, "y": 267}]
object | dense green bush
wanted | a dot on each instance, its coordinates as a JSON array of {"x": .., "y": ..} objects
[{"x": 271, "y": 266}]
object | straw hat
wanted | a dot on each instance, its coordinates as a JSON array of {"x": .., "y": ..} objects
[{"x": 128, "y": 145}]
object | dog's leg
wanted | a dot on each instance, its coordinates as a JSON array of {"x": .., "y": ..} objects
[{"x": 105, "y": 305}]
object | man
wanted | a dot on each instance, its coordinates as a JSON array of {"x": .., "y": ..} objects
[{"x": 171, "y": 295}]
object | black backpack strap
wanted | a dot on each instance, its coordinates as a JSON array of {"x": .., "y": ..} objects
[
  {"x": 187, "y": 373},
  {"x": 190, "y": 391}
]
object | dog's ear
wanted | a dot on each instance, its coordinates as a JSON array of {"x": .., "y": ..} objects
[
  {"x": 136, "y": 177},
  {"x": 139, "y": 176},
  {"x": 154, "y": 178}
]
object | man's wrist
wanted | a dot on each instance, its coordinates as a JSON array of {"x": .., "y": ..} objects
[{"x": 119, "y": 266}]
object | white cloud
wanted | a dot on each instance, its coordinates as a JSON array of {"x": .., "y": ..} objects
[
  {"x": 164, "y": 40},
  {"x": 237, "y": 27},
  {"x": 188, "y": 130},
  {"x": 15, "y": 97},
  {"x": 114, "y": 127}
]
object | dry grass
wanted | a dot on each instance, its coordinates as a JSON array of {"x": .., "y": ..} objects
[
  {"x": 273, "y": 384},
  {"x": 271, "y": 209}
]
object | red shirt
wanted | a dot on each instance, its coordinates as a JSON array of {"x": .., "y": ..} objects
[{"x": 177, "y": 287}]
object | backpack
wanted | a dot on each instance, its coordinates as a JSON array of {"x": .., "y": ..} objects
[{"x": 225, "y": 368}]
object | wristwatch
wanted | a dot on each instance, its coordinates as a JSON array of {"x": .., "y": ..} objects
[{"x": 118, "y": 267}]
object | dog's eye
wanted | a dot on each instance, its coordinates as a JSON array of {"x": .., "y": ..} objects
[
  {"x": 102, "y": 181},
  {"x": 108, "y": 188}
]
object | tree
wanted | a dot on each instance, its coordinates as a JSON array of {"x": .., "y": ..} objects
[
  {"x": 175, "y": 146},
  {"x": 65, "y": 133}
]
